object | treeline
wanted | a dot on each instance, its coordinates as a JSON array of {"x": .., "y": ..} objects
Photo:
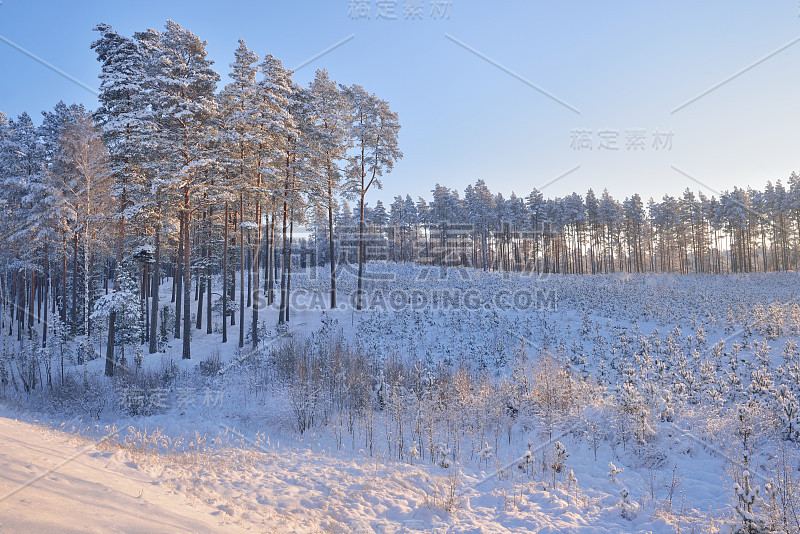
[{"x": 742, "y": 231}]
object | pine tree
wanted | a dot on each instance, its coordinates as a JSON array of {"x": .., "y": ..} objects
[
  {"x": 184, "y": 102},
  {"x": 127, "y": 124},
  {"x": 329, "y": 113},
  {"x": 276, "y": 93},
  {"x": 87, "y": 176},
  {"x": 125, "y": 303},
  {"x": 241, "y": 139},
  {"x": 373, "y": 128}
]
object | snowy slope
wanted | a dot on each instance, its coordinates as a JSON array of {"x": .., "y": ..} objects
[
  {"x": 656, "y": 367},
  {"x": 55, "y": 482}
]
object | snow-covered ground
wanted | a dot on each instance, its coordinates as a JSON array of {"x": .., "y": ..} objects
[
  {"x": 54, "y": 482},
  {"x": 458, "y": 401}
]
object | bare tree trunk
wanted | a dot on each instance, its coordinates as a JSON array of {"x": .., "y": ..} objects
[
  {"x": 75, "y": 284},
  {"x": 19, "y": 279},
  {"x": 209, "y": 327},
  {"x": 330, "y": 242},
  {"x": 360, "y": 247},
  {"x": 289, "y": 270},
  {"x": 187, "y": 318},
  {"x": 201, "y": 296},
  {"x": 268, "y": 259},
  {"x": 179, "y": 277},
  {"x": 145, "y": 303},
  {"x": 46, "y": 291},
  {"x": 271, "y": 276},
  {"x": 86, "y": 301},
  {"x": 225, "y": 276},
  {"x": 255, "y": 274},
  {"x": 232, "y": 291},
  {"x": 154, "y": 293},
  {"x": 282, "y": 310},
  {"x": 112, "y": 317},
  {"x": 241, "y": 270},
  {"x": 64, "y": 283},
  {"x": 31, "y": 299}
]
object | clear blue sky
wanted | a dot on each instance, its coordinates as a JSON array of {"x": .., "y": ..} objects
[{"x": 624, "y": 65}]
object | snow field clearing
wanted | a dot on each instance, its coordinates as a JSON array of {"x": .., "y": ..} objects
[{"x": 473, "y": 418}]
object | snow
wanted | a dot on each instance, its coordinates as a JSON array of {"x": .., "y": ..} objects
[
  {"x": 53, "y": 482},
  {"x": 214, "y": 448},
  {"x": 117, "y": 489}
]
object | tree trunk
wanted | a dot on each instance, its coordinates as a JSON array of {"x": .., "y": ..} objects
[
  {"x": 154, "y": 293},
  {"x": 271, "y": 276},
  {"x": 289, "y": 270},
  {"x": 241, "y": 270},
  {"x": 209, "y": 326},
  {"x": 360, "y": 247},
  {"x": 112, "y": 317},
  {"x": 20, "y": 305},
  {"x": 179, "y": 277},
  {"x": 187, "y": 318},
  {"x": 201, "y": 297},
  {"x": 255, "y": 274},
  {"x": 86, "y": 303},
  {"x": 282, "y": 309},
  {"x": 46, "y": 292},
  {"x": 75, "y": 284},
  {"x": 225, "y": 276},
  {"x": 63, "y": 311},
  {"x": 330, "y": 241}
]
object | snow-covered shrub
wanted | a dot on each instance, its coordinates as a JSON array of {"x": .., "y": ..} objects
[
  {"x": 747, "y": 497},
  {"x": 486, "y": 453},
  {"x": 211, "y": 365},
  {"x": 781, "y": 501},
  {"x": 613, "y": 472},
  {"x": 788, "y": 412},
  {"x": 552, "y": 390},
  {"x": 413, "y": 452},
  {"x": 444, "y": 494},
  {"x": 442, "y": 454},
  {"x": 526, "y": 463},
  {"x": 629, "y": 510},
  {"x": 558, "y": 461}
]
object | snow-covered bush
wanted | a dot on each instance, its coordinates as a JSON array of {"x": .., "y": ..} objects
[{"x": 613, "y": 472}]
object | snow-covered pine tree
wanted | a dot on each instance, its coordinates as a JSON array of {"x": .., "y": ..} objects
[
  {"x": 329, "y": 113},
  {"x": 128, "y": 126},
  {"x": 373, "y": 128},
  {"x": 86, "y": 173},
  {"x": 125, "y": 303},
  {"x": 747, "y": 498},
  {"x": 276, "y": 94},
  {"x": 309, "y": 167},
  {"x": 184, "y": 101},
  {"x": 239, "y": 140}
]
